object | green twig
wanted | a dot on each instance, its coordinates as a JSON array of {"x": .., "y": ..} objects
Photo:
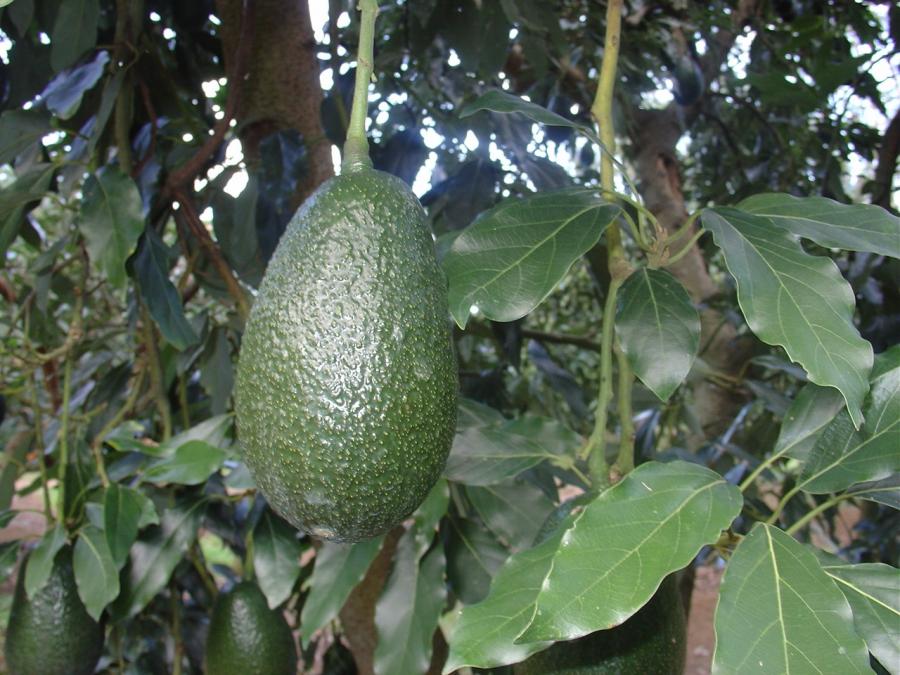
[
  {"x": 625, "y": 460},
  {"x": 784, "y": 500},
  {"x": 748, "y": 481},
  {"x": 39, "y": 442},
  {"x": 64, "y": 439},
  {"x": 156, "y": 374},
  {"x": 356, "y": 147},
  {"x": 824, "y": 506},
  {"x": 114, "y": 421}
]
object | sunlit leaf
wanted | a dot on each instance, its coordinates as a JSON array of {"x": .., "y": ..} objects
[{"x": 191, "y": 464}]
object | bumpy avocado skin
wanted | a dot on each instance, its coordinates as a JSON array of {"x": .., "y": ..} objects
[
  {"x": 346, "y": 390},
  {"x": 247, "y": 638},
  {"x": 652, "y": 642},
  {"x": 52, "y": 634}
]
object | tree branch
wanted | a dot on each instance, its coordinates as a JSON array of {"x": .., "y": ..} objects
[{"x": 887, "y": 163}]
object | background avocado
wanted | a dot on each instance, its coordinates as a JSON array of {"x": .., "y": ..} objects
[
  {"x": 652, "y": 642},
  {"x": 52, "y": 634},
  {"x": 347, "y": 384},
  {"x": 247, "y": 638}
]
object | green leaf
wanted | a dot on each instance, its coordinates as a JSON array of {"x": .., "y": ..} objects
[
  {"x": 192, "y": 463},
  {"x": 155, "y": 555},
  {"x": 842, "y": 455},
  {"x": 96, "y": 574},
  {"x": 19, "y": 129},
  {"x": 40, "y": 562},
  {"x": 339, "y": 568},
  {"x": 855, "y": 227},
  {"x": 475, "y": 414},
  {"x": 873, "y": 591},
  {"x": 107, "y": 103},
  {"x": 513, "y": 510},
  {"x": 810, "y": 412},
  {"x": 122, "y": 509},
  {"x": 64, "y": 93},
  {"x": 624, "y": 543},
  {"x": 473, "y": 557},
  {"x": 9, "y": 554},
  {"x": 885, "y": 491},
  {"x": 29, "y": 188},
  {"x": 151, "y": 267},
  {"x": 213, "y": 431},
  {"x": 488, "y": 455},
  {"x": 795, "y": 300},
  {"x": 778, "y": 612},
  {"x": 276, "y": 558},
  {"x": 514, "y": 254},
  {"x": 407, "y": 613},
  {"x": 500, "y": 101},
  {"x": 111, "y": 221},
  {"x": 217, "y": 369},
  {"x": 429, "y": 514},
  {"x": 658, "y": 328},
  {"x": 74, "y": 32}
]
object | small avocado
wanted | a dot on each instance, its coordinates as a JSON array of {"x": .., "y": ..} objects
[
  {"x": 52, "y": 634},
  {"x": 652, "y": 642},
  {"x": 247, "y": 638},
  {"x": 346, "y": 388}
]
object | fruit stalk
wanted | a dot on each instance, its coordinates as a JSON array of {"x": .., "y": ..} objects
[{"x": 356, "y": 147}]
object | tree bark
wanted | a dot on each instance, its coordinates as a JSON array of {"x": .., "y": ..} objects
[
  {"x": 887, "y": 163},
  {"x": 282, "y": 89}
]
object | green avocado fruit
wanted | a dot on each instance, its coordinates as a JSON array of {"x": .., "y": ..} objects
[
  {"x": 346, "y": 388},
  {"x": 52, "y": 633},
  {"x": 247, "y": 638},
  {"x": 652, "y": 642}
]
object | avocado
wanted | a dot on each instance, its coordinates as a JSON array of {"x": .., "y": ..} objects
[
  {"x": 652, "y": 642},
  {"x": 247, "y": 638},
  {"x": 52, "y": 634},
  {"x": 346, "y": 388}
]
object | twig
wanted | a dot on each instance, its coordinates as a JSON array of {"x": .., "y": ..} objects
[{"x": 156, "y": 374}]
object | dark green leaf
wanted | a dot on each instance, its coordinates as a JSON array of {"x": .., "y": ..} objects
[
  {"x": 151, "y": 267},
  {"x": 74, "y": 31},
  {"x": 885, "y": 491},
  {"x": 856, "y": 227},
  {"x": 499, "y": 101},
  {"x": 19, "y": 129},
  {"x": 276, "y": 557},
  {"x": 813, "y": 409},
  {"x": 64, "y": 93},
  {"x": 96, "y": 573},
  {"x": 122, "y": 509},
  {"x": 658, "y": 329},
  {"x": 155, "y": 555},
  {"x": 795, "y": 300},
  {"x": 778, "y": 612},
  {"x": 513, "y": 510},
  {"x": 429, "y": 514},
  {"x": 212, "y": 430},
  {"x": 407, "y": 613},
  {"x": 514, "y": 254},
  {"x": 107, "y": 103},
  {"x": 40, "y": 562},
  {"x": 28, "y": 188},
  {"x": 475, "y": 414},
  {"x": 487, "y": 455},
  {"x": 624, "y": 543},
  {"x": 191, "y": 464},
  {"x": 9, "y": 554},
  {"x": 339, "y": 568},
  {"x": 111, "y": 221},
  {"x": 217, "y": 370},
  {"x": 473, "y": 557}
]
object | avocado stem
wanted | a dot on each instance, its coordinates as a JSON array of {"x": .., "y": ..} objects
[{"x": 356, "y": 147}]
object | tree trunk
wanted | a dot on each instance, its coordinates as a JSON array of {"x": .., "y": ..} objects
[{"x": 282, "y": 90}]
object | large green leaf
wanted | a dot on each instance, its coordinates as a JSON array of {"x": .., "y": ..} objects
[
  {"x": 842, "y": 455},
  {"x": 473, "y": 557},
  {"x": 155, "y": 555},
  {"x": 96, "y": 574},
  {"x": 122, "y": 509},
  {"x": 885, "y": 491},
  {"x": 28, "y": 189},
  {"x": 488, "y": 455},
  {"x": 212, "y": 430},
  {"x": 74, "y": 31},
  {"x": 795, "y": 300},
  {"x": 514, "y": 254},
  {"x": 64, "y": 93},
  {"x": 111, "y": 221},
  {"x": 500, "y": 101},
  {"x": 40, "y": 562},
  {"x": 624, "y": 543},
  {"x": 778, "y": 612},
  {"x": 151, "y": 266},
  {"x": 873, "y": 591},
  {"x": 810, "y": 412},
  {"x": 513, "y": 510},
  {"x": 191, "y": 464},
  {"x": 339, "y": 568},
  {"x": 856, "y": 227},
  {"x": 474, "y": 414},
  {"x": 407, "y": 613},
  {"x": 19, "y": 129},
  {"x": 276, "y": 557},
  {"x": 658, "y": 329}
]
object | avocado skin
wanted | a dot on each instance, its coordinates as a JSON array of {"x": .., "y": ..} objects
[
  {"x": 52, "y": 634},
  {"x": 346, "y": 389},
  {"x": 652, "y": 642},
  {"x": 247, "y": 638}
]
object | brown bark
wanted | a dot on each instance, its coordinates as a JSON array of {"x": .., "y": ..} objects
[
  {"x": 887, "y": 163},
  {"x": 282, "y": 89}
]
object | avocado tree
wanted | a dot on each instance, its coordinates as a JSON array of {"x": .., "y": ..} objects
[{"x": 670, "y": 251}]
